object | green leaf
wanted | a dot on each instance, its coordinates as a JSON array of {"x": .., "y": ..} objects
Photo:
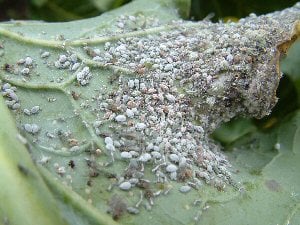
[
  {"x": 25, "y": 199},
  {"x": 38, "y": 3},
  {"x": 234, "y": 130},
  {"x": 290, "y": 65},
  {"x": 270, "y": 179},
  {"x": 56, "y": 116}
]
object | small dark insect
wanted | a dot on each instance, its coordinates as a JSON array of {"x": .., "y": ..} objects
[
  {"x": 140, "y": 70},
  {"x": 110, "y": 175},
  {"x": 73, "y": 142},
  {"x": 75, "y": 95},
  {"x": 143, "y": 184},
  {"x": 184, "y": 174},
  {"x": 148, "y": 194},
  {"x": 71, "y": 164},
  {"x": 7, "y": 67},
  {"x": 117, "y": 207},
  {"x": 90, "y": 52},
  {"x": 113, "y": 78},
  {"x": 23, "y": 170},
  {"x": 89, "y": 183},
  {"x": 93, "y": 173}
]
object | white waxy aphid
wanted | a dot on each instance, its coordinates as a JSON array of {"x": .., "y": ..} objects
[
  {"x": 131, "y": 83},
  {"x": 129, "y": 113},
  {"x": 97, "y": 123},
  {"x": 145, "y": 157},
  {"x": 97, "y": 51},
  {"x": 173, "y": 175},
  {"x": 156, "y": 155},
  {"x": 170, "y": 98},
  {"x": 35, "y": 109},
  {"x": 84, "y": 76},
  {"x": 110, "y": 147},
  {"x": 34, "y": 128},
  {"x": 25, "y": 71},
  {"x": 27, "y": 112},
  {"x": 10, "y": 103},
  {"x": 45, "y": 54},
  {"x": 120, "y": 118},
  {"x": 185, "y": 189},
  {"x": 44, "y": 159},
  {"x": 108, "y": 140},
  {"x": 156, "y": 148},
  {"x": 149, "y": 147},
  {"x": 16, "y": 106},
  {"x": 62, "y": 58},
  {"x": 143, "y": 86},
  {"x": 229, "y": 58},
  {"x": 75, "y": 148},
  {"x": 73, "y": 58},
  {"x": 126, "y": 155},
  {"x": 21, "y": 61},
  {"x": 174, "y": 158},
  {"x": 120, "y": 25},
  {"x": 6, "y": 86},
  {"x": 133, "y": 210},
  {"x": 132, "y": 18},
  {"x": 204, "y": 175},
  {"x": 136, "y": 83},
  {"x": 13, "y": 96},
  {"x": 66, "y": 64},
  {"x": 75, "y": 66},
  {"x": 125, "y": 186},
  {"x": 198, "y": 129},
  {"x": 31, "y": 128},
  {"x": 61, "y": 170},
  {"x": 134, "y": 153},
  {"x": 133, "y": 181},
  {"x": 168, "y": 67},
  {"x": 182, "y": 161},
  {"x": 171, "y": 168},
  {"x": 140, "y": 126},
  {"x": 277, "y": 146},
  {"x": 28, "y": 61},
  {"x": 117, "y": 144},
  {"x": 209, "y": 168},
  {"x": 57, "y": 64}
]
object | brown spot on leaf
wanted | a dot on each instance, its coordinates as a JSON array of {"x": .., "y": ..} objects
[{"x": 273, "y": 185}]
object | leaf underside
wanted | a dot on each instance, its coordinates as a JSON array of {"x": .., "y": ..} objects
[{"x": 268, "y": 175}]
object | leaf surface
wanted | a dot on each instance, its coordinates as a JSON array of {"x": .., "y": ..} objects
[{"x": 66, "y": 118}]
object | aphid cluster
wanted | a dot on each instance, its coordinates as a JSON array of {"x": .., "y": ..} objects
[
  {"x": 186, "y": 81},
  {"x": 9, "y": 92},
  {"x": 161, "y": 118}
]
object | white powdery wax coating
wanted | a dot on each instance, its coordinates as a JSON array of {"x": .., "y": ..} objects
[
  {"x": 120, "y": 118},
  {"x": 140, "y": 126},
  {"x": 125, "y": 186},
  {"x": 145, "y": 157},
  {"x": 171, "y": 168},
  {"x": 185, "y": 189},
  {"x": 129, "y": 113},
  {"x": 126, "y": 155},
  {"x": 110, "y": 147},
  {"x": 174, "y": 157},
  {"x": 108, "y": 140}
]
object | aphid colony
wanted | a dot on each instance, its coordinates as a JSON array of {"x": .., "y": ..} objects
[
  {"x": 185, "y": 81},
  {"x": 183, "y": 94}
]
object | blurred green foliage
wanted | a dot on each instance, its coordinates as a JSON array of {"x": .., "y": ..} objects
[
  {"x": 61, "y": 10},
  {"x": 235, "y": 8}
]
